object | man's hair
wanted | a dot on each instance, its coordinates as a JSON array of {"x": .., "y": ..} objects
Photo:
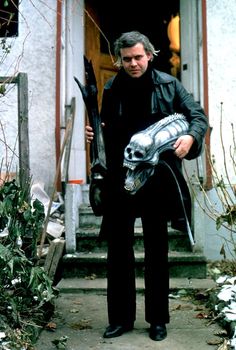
[{"x": 129, "y": 39}]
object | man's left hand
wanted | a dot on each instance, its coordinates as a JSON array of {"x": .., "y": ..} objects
[{"x": 183, "y": 145}]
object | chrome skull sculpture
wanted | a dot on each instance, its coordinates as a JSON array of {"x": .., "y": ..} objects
[{"x": 142, "y": 153}]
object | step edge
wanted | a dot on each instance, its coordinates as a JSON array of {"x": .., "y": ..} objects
[
  {"x": 72, "y": 285},
  {"x": 139, "y": 256}
]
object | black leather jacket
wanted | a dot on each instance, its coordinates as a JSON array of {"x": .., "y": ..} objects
[{"x": 167, "y": 96}]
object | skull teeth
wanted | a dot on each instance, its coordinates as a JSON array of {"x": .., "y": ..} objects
[
  {"x": 129, "y": 166},
  {"x": 129, "y": 187}
]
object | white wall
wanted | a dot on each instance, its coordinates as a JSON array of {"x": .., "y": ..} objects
[
  {"x": 221, "y": 35},
  {"x": 221, "y": 31},
  {"x": 210, "y": 239},
  {"x": 33, "y": 52}
]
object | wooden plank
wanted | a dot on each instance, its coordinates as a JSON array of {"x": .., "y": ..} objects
[
  {"x": 66, "y": 135},
  {"x": 24, "y": 167},
  {"x": 8, "y": 80},
  {"x": 53, "y": 257},
  {"x": 66, "y": 159}
]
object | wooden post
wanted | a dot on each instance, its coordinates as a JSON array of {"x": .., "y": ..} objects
[
  {"x": 44, "y": 233},
  {"x": 53, "y": 257},
  {"x": 66, "y": 160},
  {"x": 24, "y": 168}
]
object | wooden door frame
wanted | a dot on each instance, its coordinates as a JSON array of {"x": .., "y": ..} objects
[{"x": 103, "y": 64}]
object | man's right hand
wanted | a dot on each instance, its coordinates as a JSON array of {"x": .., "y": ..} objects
[{"x": 89, "y": 133}]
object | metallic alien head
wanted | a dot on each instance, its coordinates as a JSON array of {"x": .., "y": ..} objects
[{"x": 142, "y": 153}]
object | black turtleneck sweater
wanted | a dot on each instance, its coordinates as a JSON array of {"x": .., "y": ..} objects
[{"x": 129, "y": 111}]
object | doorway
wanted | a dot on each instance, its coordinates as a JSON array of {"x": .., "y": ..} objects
[{"x": 105, "y": 20}]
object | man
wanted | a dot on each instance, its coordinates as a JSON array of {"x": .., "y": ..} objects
[{"x": 135, "y": 98}]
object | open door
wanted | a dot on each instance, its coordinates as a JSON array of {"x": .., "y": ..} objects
[{"x": 103, "y": 63}]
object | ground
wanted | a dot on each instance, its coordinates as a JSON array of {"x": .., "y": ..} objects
[{"x": 82, "y": 318}]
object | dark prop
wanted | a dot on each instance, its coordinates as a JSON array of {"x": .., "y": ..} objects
[{"x": 97, "y": 148}]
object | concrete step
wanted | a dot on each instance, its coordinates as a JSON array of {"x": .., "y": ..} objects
[
  {"x": 99, "y": 285},
  {"x": 87, "y": 217},
  {"x": 89, "y": 224},
  {"x": 90, "y": 258},
  {"x": 87, "y": 240},
  {"x": 181, "y": 264}
]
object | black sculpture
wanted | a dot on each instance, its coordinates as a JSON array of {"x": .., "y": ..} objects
[{"x": 97, "y": 149}]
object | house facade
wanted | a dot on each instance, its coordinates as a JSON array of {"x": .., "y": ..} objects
[{"x": 51, "y": 41}]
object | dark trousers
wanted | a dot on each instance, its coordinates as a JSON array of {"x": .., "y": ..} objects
[{"x": 121, "y": 289}]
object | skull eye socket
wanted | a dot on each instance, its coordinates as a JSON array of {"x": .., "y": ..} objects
[
  {"x": 138, "y": 154},
  {"x": 133, "y": 154}
]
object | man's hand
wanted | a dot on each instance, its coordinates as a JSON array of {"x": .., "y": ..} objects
[
  {"x": 89, "y": 133},
  {"x": 183, "y": 145}
]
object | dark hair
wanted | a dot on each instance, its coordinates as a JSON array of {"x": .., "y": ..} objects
[{"x": 129, "y": 39}]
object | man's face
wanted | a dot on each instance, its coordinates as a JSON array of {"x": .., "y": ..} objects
[{"x": 135, "y": 60}]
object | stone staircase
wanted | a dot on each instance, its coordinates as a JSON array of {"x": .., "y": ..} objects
[{"x": 89, "y": 261}]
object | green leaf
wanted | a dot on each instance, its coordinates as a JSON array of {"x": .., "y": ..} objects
[{"x": 27, "y": 214}]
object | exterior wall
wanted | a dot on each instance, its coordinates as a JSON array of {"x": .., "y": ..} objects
[
  {"x": 33, "y": 52},
  {"x": 221, "y": 29},
  {"x": 210, "y": 240}
]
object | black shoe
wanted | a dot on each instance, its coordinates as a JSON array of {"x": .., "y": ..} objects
[
  {"x": 113, "y": 331},
  {"x": 158, "y": 332}
]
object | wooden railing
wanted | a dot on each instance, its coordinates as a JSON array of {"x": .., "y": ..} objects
[{"x": 21, "y": 79}]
